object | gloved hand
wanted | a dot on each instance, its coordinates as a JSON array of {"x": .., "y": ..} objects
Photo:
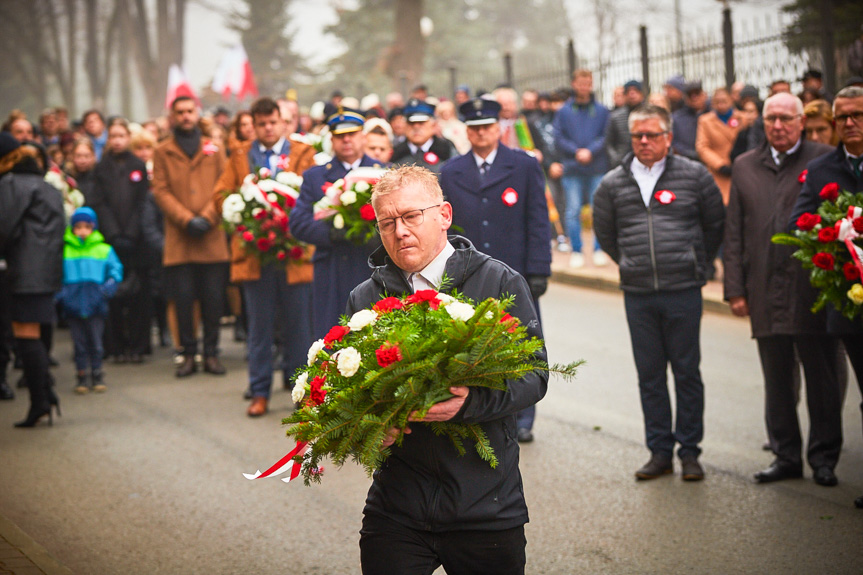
[
  {"x": 538, "y": 285},
  {"x": 198, "y": 226},
  {"x": 725, "y": 171}
]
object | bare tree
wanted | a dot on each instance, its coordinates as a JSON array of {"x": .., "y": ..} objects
[{"x": 408, "y": 50}]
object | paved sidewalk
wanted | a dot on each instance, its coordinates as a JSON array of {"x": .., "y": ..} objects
[{"x": 21, "y": 555}]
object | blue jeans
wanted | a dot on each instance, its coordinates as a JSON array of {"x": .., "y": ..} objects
[
  {"x": 664, "y": 328},
  {"x": 87, "y": 339},
  {"x": 271, "y": 303},
  {"x": 579, "y": 192}
]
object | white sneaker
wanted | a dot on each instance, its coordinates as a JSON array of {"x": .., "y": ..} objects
[
  {"x": 576, "y": 260},
  {"x": 563, "y": 245},
  {"x": 600, "y": 259}
]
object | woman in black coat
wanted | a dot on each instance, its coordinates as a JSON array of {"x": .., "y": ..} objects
[
  {"x": 118, "y": 198},
  {"x": 32, "y": 223}
]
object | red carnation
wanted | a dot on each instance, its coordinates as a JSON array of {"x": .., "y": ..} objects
[
  {"x": 336, "y": 334},
  {"x": 851, "y": 271},
  {"x": 824, "y": 261},
  {"x": 511, "y": 320},
  {"x": 827, "y": 235},
  {"x": 367, "y": 212},
  {"x": 388, "y": 355},
  {"x": 388, "y": 304},
  {"x": 858, "y": 225},
  {"x": 830, "y": 192},
  {"x": 425, "y": 295},
  {"x": 264, "y": 244},
  {"x": 297, "y": 253},
  {"x": 807, "y": 221},
  {"x": 261, "y": 215},
  {"x": 281, "y": 255},
  {"x": 802, "y": 177},
  {"x": 318, "y": 393},
  {"x": 290, "y": 202},
  {"x": 248, "y": 236},
  {"x": 241, "y": 228}
]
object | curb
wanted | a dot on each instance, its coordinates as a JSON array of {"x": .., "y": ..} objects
[{"x": 12, "y": 539}]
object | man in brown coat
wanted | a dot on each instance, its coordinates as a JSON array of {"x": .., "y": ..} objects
[
  {"x": 186, "y": 167},
  {"x": 270, "y": 290},
  {"x": 764, "y": 282}
]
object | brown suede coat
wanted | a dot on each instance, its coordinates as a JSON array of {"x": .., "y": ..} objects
[
  {"x": 183, "y": 189},
  {"x": 245, "y": 266},
  {"x": 713, "y": 143}
]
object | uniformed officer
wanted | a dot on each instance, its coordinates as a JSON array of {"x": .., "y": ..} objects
[
  {"x": 340, "y": 264},
  {"x": 498, "y": 199},
  {"x": 422, "y": 147}
]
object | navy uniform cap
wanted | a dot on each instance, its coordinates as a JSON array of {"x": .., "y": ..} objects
[
  {"x": 479, "y": 111},
  {"x": 345, "y": 120},
  {"x": 419, "y": 111}
]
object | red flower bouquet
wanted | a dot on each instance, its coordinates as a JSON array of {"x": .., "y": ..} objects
[{"x": 346, "y": 203}]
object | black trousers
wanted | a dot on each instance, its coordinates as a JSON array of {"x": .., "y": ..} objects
[
  {"x": 127, "y": 330},
  {"x": 205, "y": 283},
  {"x": 388, "y": 547},
  {"x": 818, "y": 355}
]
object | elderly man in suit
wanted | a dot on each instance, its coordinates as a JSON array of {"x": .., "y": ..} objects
[
  {"x": 498, "y": 196},
  {"x": 764, "y": 282},
  {"x": 340, "y": 265}
]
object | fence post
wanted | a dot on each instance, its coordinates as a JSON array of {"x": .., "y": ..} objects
[
  {"x": 828, "y": 59},
  {"x": 507, "y": 69},
  {"x": 645, "y": 61},
  {"x": 452, "y": 81},
  {"x": 728, "y": 45},
  {"x": 570, "y": 57}
]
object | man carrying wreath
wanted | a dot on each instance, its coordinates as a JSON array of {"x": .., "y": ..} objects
[
  {"x": 268, "y": 289},
  {"x": 428, "y": 506},
  {"x": 660, "y": 218}
]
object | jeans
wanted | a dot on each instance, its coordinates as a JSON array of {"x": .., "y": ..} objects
[
  {"x": 205, "y": 283},
  {"x": 87, "y": 339},
  {"x": 272, "y": 303},
  {"x": 579, "y": 192},
  {"x": 664, "y": 328}
]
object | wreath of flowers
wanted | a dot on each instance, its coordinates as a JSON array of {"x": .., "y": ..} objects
[
  {"x": 347, "y": 204},
  {"x": 259, "y": 213},
  {"x": 829, "y": 244}
]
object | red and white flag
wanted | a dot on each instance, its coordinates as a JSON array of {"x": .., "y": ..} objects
[
  {"x": 178, "y": 85},
  {"x": 234, "y": 75}
]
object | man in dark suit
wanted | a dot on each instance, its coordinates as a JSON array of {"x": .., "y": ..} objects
[
  {"x": 764, "y": 282},
  {"x": 422, "y": 147},
  {"x": 843, "y": 166},
  {"x": 340, "y": 264},
  {"x": 498, "y": 196}
]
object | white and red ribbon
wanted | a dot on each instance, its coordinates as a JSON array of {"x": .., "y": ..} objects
[
  {"x": 847, "y": 234},
  {"x": 283, "y": 464}
]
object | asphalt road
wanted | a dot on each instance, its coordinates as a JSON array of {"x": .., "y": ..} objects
[{"x": 147, "y": 478}]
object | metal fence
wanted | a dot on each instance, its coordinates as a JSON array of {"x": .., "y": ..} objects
[{"x": 753, "y": 52}]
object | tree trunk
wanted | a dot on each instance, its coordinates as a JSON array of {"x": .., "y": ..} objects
[
  {"x": 71, "y": 97},
  {"x": 409, "y": 48},
  {"x": 124, "y": 64}
]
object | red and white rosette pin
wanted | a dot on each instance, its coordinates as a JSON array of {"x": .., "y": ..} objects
[
  {"x": 664, "y": 197},
  {"x": 136, "y": 176},
  {"x": 733, "y": 122},
  {"x": 431, "y": 158},
  {"x": 509, "y": 197},
  {"x": 209, "y": 148}
]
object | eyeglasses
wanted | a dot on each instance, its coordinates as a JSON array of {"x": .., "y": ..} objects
[
  {"x": 856, "y": 117},
  {"x": 652, "y": 136},
  {"x": 411, "y": 219},
  {"x": 786, "y": 120}
]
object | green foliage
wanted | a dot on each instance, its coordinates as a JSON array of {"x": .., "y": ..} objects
[
  {"x": 435, "y": 343},
  {"x": 805, "y": 31}
]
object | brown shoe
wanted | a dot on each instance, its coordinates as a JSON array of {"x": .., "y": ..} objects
[
  {"x": 692, "y": 470},
  {"x": 186, "y": 368},
  {"x": 258, "y": 407},
  {"x": 212, "y": 365},
  {"x": 658, "y": 466}
]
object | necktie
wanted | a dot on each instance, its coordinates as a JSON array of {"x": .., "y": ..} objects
[
  {"x": 483, "y": 170},
  {"x": 411, "y": 282},
  {"x": 780, "y": 157},
  {"x": 857, "y": 165},
  {"x": 268, "y": 155}
]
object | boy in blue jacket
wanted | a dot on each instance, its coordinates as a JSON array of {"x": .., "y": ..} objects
[{"x": 91, "y": 273}]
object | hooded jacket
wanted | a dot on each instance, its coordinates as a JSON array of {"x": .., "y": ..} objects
[
  {"x": 425, "y": 484},
  {"x": 91, "y": 273}
]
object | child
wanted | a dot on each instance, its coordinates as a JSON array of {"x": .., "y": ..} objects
[{"x": 91, "y": 274}]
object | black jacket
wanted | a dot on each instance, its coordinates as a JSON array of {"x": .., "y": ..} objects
[
  {"x": 425, "y": 484},
  {"x": 118, "y": 198},
  {"x": 32, "y": 223},
  {"x": 662, "y": 246},
  {"x": 439, "y": 152}
]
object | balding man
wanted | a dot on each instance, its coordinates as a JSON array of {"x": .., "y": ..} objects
[{"x": 763, "y": 282}]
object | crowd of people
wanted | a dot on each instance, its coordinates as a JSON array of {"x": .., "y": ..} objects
[{"x": 673, "y": 179}]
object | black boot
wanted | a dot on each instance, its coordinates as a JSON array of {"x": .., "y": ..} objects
[{"x": 34, "y": 358}]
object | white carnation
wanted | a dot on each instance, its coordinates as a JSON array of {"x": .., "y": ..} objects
[
  {"x": 299, "y": 391},
  {"x": 289, "y": 179},
  {"x": 348, "y": 361},
  {"x": 316, "y": 348},
  {"x": 249, "y": 191},
  {"x": 232, "y": 209},
  {"x": 272, "y": 197},
  {"x": 266, "y": 185},
  {"x": 338, "y": 222},
  {"x": 445, "y": 299},
  {"x": 362, "y": 186},
  {"x": 361, "y": 319},
  {"x": 460, "y": 310},
  {"x": 348, "y": 198},
  {"x": 322, "y": 158}
]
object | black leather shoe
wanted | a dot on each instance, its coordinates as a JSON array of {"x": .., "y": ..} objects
[
  {"x": 824, "y": 476},
  {"x": 186, "y": 368},
  {"x": 6, "y": 392},
  {"x": 778, "y": 471},
  {"x": 247, "y": 394},
  {"x": 524, "y": 435},
  {"x": 858, "y": 503},
  {"x": 658, "y": 466},
  {"x": 214, "y": 366},
  {"x": 691, "y": 469}
]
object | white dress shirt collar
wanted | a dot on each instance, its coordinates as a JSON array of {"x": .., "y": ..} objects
[
  {"x": 489, "y": 158},
  {"x": 430, "y": 277},
  {"x": 647, "y": 177}
]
